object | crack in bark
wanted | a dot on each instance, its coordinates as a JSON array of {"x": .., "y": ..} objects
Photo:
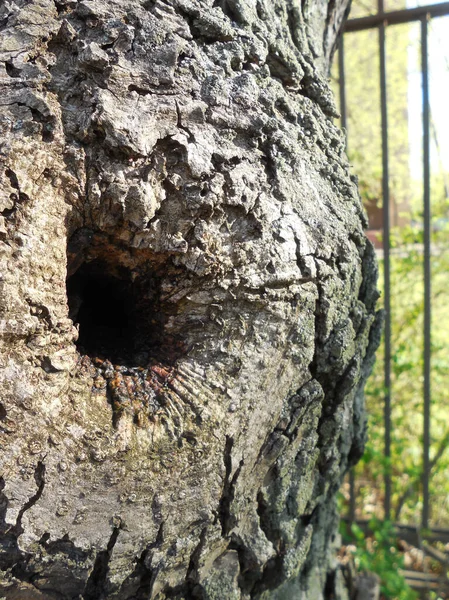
[
  {"x": 266, "y": 523},
  {"x": 11, "y": 557},
  {"x": 96, "y": 585},
  {"x": 227, "y": 520},
  {"x": 141, "y": 91},
  {"x": 39, "y": 478},
  {"x": 144, "y": 572},
  {"x": 251, "y": 573},
  {"x": 191, "y": 588},
  {"x": 194, "y": 589},
  {"x": 293, "y": 22},
  {"x": 18, "y": 198},
  {"x": 3, "y": 505}
]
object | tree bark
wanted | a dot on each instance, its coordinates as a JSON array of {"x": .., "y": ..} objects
[{"x": 187, "y": 300}]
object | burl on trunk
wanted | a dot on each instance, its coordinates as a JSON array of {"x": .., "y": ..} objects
[{"x": 187, "y": 300}]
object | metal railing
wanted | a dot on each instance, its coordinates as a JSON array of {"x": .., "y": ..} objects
[{"x": 381, "y": 21}]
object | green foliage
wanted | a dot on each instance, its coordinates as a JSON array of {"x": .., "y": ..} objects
[
  {"x": 407, "y": 365},
  {"x": 406, "y": 279},
  {"x": 379, "y": 554}
]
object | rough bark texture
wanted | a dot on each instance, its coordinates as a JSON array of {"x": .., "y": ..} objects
[{"x": 187, "y": 300}]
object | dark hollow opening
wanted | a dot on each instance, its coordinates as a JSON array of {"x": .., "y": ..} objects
[{"x": 103, "y": 305}]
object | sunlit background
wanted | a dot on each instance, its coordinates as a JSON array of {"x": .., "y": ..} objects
[{"x": 405, "y": 144}]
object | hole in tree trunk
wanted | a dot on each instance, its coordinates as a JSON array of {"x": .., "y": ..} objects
[
  {"x": 104, "y": 306},
  {"x": 120, "y": 299},
  {"x": 115, "y": 300}
]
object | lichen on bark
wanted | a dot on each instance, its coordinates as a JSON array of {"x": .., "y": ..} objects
[{"x": 187, "y": 300}]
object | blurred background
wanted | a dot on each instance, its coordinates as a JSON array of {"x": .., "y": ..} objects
[{"x": 391, "y": 76}]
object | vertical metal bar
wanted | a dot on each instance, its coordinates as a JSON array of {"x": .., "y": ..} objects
[
  {"x": 352, "y": 498},
  {"x": 344, "y": 125},
  {"x": 427, "y": 272},
  {"x": 386, "y": 249},
  {"x": 342, "y": 83}
]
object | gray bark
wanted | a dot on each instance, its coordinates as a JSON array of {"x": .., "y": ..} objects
[{"x": 187, "y": 300}]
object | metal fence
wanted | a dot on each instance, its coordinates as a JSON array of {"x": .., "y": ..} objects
[{"x": 381, "y": 21}]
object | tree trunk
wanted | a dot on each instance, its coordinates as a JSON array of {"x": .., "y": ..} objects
[{"x": 187, "y": 300}]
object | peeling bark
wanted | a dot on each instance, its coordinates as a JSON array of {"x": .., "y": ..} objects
[{"x": 187, "y": 300}]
